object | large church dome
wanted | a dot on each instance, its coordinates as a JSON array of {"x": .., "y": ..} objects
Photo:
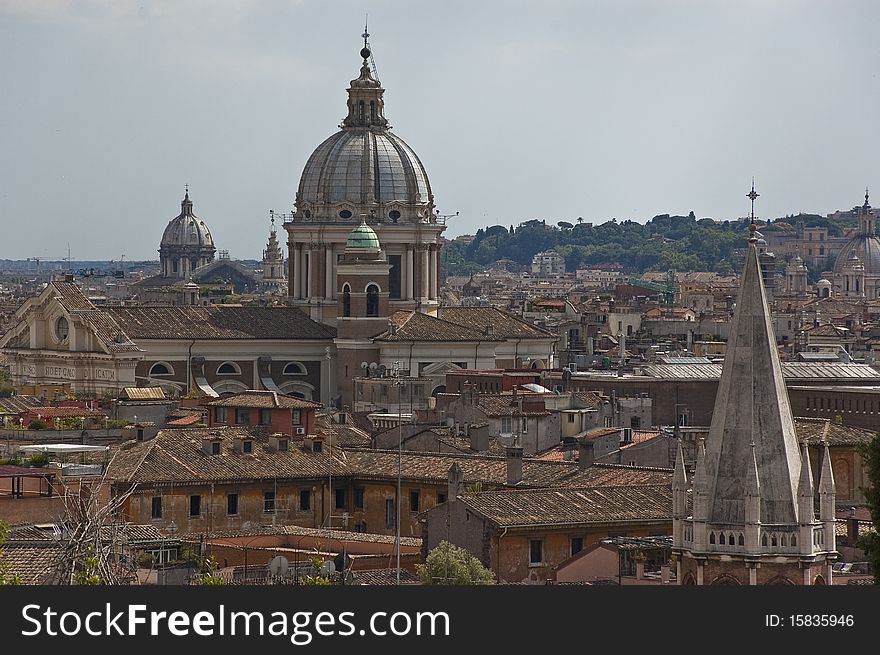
[{"x": 364, "y": 168}]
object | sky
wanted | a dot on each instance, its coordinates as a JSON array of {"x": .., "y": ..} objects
[{"x": 548, "y": 109}]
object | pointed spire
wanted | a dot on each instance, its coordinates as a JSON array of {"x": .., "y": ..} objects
[
  {"x": 826, "y": 478},
  {"x": 752, "y": 406},
  {"x": 679, "y": 478},
  {"x": 753, "y": 484},
  {"x": 752, "y": 195},
  {"x": 805, "y": 483},
  {"x": 701, "y": 501}
]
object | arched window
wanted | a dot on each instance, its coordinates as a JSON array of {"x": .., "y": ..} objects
[
  {"x": 711, "y": 537},
  {"x": 62, "y": 328},
  {"x": 763, "y": 539},
  {"x": 794, "y": 540},
  {"x": 161, "y": 368},
  {"x": 742, "y": 541},
  {"x": 783, "y": 541},
  {"x": 346, "y": 300},
  {"x": 228, "y": 368},
  {"x": 294, "y": 368},
  {"x": 372, "y": 300},
  {"x": 773, "y": 540}
]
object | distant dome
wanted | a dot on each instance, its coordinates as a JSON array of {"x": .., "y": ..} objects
[
  {"x": 864, "y": 246},
  {"x": 187, "y": 229},
  {"x": 824, "y": 282},
  {"x": 363, "y": 237}
]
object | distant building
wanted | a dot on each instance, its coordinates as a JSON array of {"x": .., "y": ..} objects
[{"x": 548, "y": 264}]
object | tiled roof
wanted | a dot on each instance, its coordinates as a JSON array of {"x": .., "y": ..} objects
[
  {"x": 71, "y": 297},
  {"x": 504, "y": 324},
  {"x": 322, "y": 533},
  {"x": 144, "y": 393},
  {"x": 176, "y": 456},
  {"x": 415, "y": 326},
  {"x": 534, "y": 507},
  {"x": 66, "y": 412},
  {"x": 264, "y": 399},
  {"x": 33, "y": 564},
  {"x": 18, "y": 404},
  {"x": 185, "y": 421},
  {"x": 507, "y": 405},
  {"x": 218, "y": 322},
  {"x": 434, "y": 468},
  {"x": 108, "y": 330},
  {"x": 383, "y": 577},
  {"x": 816, "y": 429}
]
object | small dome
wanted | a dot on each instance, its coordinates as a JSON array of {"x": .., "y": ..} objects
[
  {"x": 187, "y": 229},
  {"x": 363, "y": 237},
  {"x": 823, "y": 282}
]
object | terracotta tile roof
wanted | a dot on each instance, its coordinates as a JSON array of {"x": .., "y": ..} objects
[
  {"x": 108, "y": 330},
  {"x": 504, "y": 324},
  {"x": 383, "y": 577},
  {"x": 534, "y": 507},
  {"x": 176, "y": 456},
  {"x": 70, "y": 296},
  {"x": 185, "y": 421},
  {"x": 34, "y": 564},
  {"x": 323, "y": 533},
  {"x": 816, "y": 429},
  {"x": 507, "y": 405},
  {"x": 434, "y": 468},
  {"x": 415, "y": 326},
  {"x": 264, "y": 399},
  {"x": 18, "y": 404},
  {"x": 66, "y": 412},
  {"x": 218, "y": 322}
]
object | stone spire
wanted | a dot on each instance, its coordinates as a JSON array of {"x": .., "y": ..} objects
[
  {"x": 752, "y": 405},
  {"x": 679, "y": 497},
  {"x": 806, "y": 509}
]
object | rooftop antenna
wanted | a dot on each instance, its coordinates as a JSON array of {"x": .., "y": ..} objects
[{"x": 367, "y": 50}]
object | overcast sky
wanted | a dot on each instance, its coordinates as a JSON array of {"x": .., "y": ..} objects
[{"x": 543, "y": 109}]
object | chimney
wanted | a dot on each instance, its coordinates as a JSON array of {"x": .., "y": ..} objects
[
  {"x": 585, "y": 453},
  {"x": 514, "y": 463},
  {"x": 479, "y": 435},
  {"x": 852, "y": 527},
  {"x": 456, "y": 482}
]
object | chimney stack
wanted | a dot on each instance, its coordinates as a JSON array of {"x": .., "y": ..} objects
[
  {"x": 456, "y": 482},
  {"x": 479, "y": 435},
  {"x": 585, "y": 453},
  {"x": 514, "y": 463}
]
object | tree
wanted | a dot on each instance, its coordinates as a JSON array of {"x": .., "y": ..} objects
[
  {"x": 6, "y": 388},
  {"x": 870, "y": 542},
  {"x": 448, "y": 564}
]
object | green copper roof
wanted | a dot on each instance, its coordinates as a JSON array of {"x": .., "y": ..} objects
[{"x": 363, "y": 237}]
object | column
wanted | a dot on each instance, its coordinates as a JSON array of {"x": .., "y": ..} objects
[
  {"x": 423, "y": 273},
  {"x": 328, "y": 271},
  {"x": 296, "y": 271},
  {"x": 309, "y": 274},
  {"x": 410, "y": 272},
  {"x": 432, "y": 273}
]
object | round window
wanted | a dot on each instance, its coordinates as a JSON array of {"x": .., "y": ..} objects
[
  {"x": 345, "y": 214},
  {"x": 308, "y": 214},
  {"x": 62, "y": 328},
  {"x": 394, "y": 215}
]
